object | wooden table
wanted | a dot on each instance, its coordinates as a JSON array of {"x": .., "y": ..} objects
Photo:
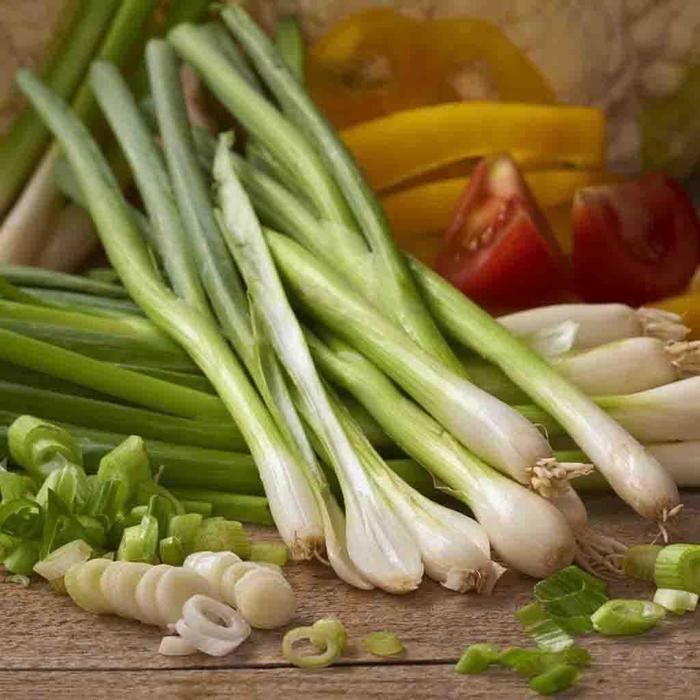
[{"x": 51, "y": 649}]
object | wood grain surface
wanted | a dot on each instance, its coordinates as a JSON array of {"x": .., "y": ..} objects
[{"x": 50, "y": 648}]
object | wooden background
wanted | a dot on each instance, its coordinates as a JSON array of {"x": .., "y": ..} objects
[{"x": 51, "y": 649}]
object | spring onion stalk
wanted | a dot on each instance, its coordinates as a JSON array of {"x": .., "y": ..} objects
[
  {"x": 677, "y": 602},
  {"x": 327, "y": 636},
  {"x": 529, "y": 533},
  {"x": 26, "y": 228},
  {"x": 383, "y": 643},
  {"x": 109, "y": 379},
  {"x": 227, "y": 296},
  {"x": 72, "y": 242},
  {"x": 634, "y": 474},
  {"x": 86, "y": 303},
  {"x": 250, "y": 509},
  {"x": 621, "y": 367},
  {"x": 599, "y": 324},
  {"x": 625, "y": 617},
  {"x": 378, "y": 542},
  {"x": 40, "y": 447},
  {"x": 290, "y": 46},
  {"x": 399, "y": 297},
  {"x": 639, "y": 561},
  {"x": 270, "y": 552},
  {"x": 483, "y": 424},
  {"x": 202, "y": 340},
  {"x": 28, "y": 276},
  {"x": 25, "y": 141},
  {"x": 678, "y": 566}
]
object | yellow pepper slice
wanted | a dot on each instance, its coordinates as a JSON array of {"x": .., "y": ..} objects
[
  {"x": 688, "y": 307},
  {"x": 379, "y": 61},
  {"x": 429, "y": 207},
  {"x": 407, "y": 144}
]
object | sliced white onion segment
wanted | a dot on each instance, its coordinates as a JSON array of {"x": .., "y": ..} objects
[
  {"x": 83, "y": 586},
  {"x": 265, "y": 599},
  {"x": 118, "y": 584},
  {"x": 212, "y": 565},
  {"x": 212, "y": 618},
  {"x": 176, "y": 587},
  {"x": 145, "y": 594},
  {"x": 176, "y": 646}
]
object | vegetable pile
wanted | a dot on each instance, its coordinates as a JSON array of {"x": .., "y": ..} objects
[{"x": 263, "y": 335}]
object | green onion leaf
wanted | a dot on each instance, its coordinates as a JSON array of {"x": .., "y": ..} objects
[
  {"x": 542, "y": 628},
  {"x": 571, "y": 592},
  {"x": 623, "y": 617},
  {"x": 383, "y": 643},
  {"x": 22, "y": 559},
  {"x": 140, "y": 542}
]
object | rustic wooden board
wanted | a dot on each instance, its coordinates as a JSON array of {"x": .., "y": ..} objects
[{"x": 51, "y": 648}]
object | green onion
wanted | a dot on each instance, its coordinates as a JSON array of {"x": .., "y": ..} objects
[
  {"x": 678, "y": 602},
  {"x": 533, "y": 662},
  {"x": 270, "y": 552},
  {"x": 678, "y": 566},
  {"x": 290, "y": 46},
  {"x": 14, "y": 486},
  {"x": 327, "y": 635},
  {"x": 127, "y": 464},
  {"x": 477, "y": 658},
  {"x": 23, "y": 144},
  {"x": 21, "y": 518},
  {"x": 171, "y": 551},
  {"x": 542, "y": 628},
  {"x": 87, "y": 303},
  {"x": 399, "y": 297},
  {"x": 220, "y": 535},
  {"x": 57, "y": 563},
  {"x": 489, "y": 428},
  {"x": 23, "y": 558},
  {"x": 202, "y": 508},
  {"x": 555, "y": 680},
  {"x": 29, "y": 276},
  {"x": 140, "y": 542},
  {"x": 634, "y": 474},
  {"x": 527, "y": 531},
  {"x": 69, "y": 483},
  {"x": 623, "y": 617},
  {"x": 383, "y": 643},
  {"x": 41, "y": 447},
  {"x": 571, "y": 592},
  {"x": 640, "y": 561},
  {"x": 184, "y": 528}
]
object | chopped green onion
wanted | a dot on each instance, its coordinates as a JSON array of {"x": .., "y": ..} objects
[
  {"x": 290, "y": 46},
  {"x": 677, "y": 602},
  {"x": 171, "y": 551},
  {"x": 41, "y": 447},
  {"x": 21, "y": 518},
  {"x": 270, "y": 552},
  {"x": 233, "y": 506},
  {"x": 571, "y": 592},
  {"x": 327, "y": 635},
  {"x": 30, "y": 276},
  {"x": 20, "y": 580},
  {"x": 57, "y": 563},
  {"x": 185, "y": 528},
  {"x": 69, "y": 483},
  {"x": 15, "y": 486},
  {"x": 533, "y": 662},
  {"x": 678, "y": 566},
  {"x": 383, "y": 643},
  {"x": 623, "y": 617},
  {"x": 128, "y": 464},
  {"x": 140, "y": 542},
  {"x": 23, "y": 558},
  {"x": 555, "y": 680},
  {"x": 220, "y": 535},
  {"x": 477, "y": 658},
  {"x": 640, "y": 561},
  {"x": 542, "y": 628}
]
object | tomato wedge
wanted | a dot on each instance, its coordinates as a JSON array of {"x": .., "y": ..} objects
[
  {"x": 499, "y": 249},
  {"x": 634, "y": 242}
]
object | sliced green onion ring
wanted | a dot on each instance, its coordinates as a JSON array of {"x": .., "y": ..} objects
[
  {"x": 383, "y": 643},
  {"x": 678, "y": 566},
  {"x": 623, "y": 617},
  {"x": 555, "y": 680},
  {"x": 477, "y": 658},
  {"x": 678, "y": 602},
  {"x": 327, "y": 635}
]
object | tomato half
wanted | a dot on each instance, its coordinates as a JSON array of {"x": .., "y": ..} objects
[
  {"x": 499, "y": 249},
  {"x": 634, "y": 242}
]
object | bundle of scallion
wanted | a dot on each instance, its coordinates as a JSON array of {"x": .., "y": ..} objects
[{"x": 224, "y": 304}]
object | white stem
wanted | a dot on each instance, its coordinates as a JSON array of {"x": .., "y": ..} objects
[
  {"x": 31, "y": 220},
  {"x": 71, "y": 243}
]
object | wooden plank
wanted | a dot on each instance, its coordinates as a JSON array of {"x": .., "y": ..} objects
[
  {"x": 398, "y": 683},
  {"x": 43, "y": 631}
]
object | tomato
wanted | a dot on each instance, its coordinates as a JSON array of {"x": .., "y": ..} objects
[
  {"x": 499, "y": 249},
  {"x": 634, "y": 242}
]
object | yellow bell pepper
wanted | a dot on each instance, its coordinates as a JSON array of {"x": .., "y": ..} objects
[
  {"x": 378, "y": 61},
  {"x": 688, "y": 307},
  {"x": 429, "y": 207},
  {"x": 407, "y": 144}
]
